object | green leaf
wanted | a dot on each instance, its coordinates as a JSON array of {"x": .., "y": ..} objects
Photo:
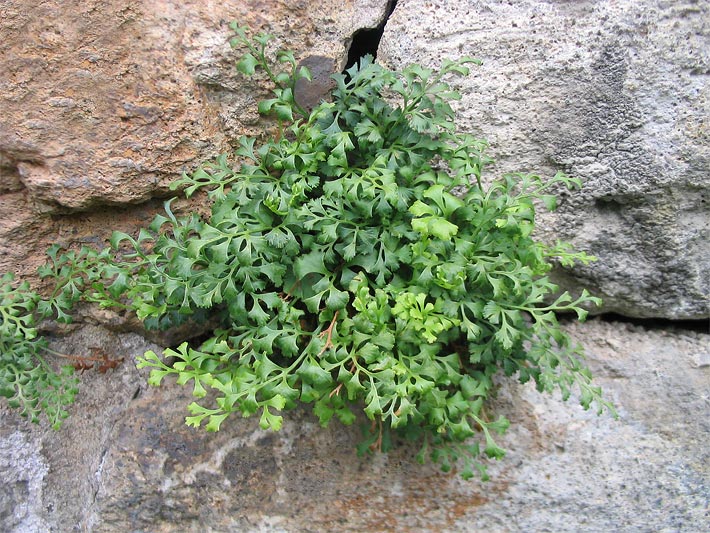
[
  {"x": 283, "y": 112},
  {"x": 311, "y": 263},
  {"x": 346, "y": 416},
  {"x": 373, "y": 405},
  {"x": 265, "y": 106},
  {"x": 353, "y": 386},
  {"x": 311, "y": 372},
  {"x": 270, "y": 421},
  {"x": 550, "y": 202},
  {"x": 216, "y": 421},
  {"x": 248, "y": 64},
  {"x": 443, "y": 229},
  {"x": 336, "y": 299},
  {"x": 257, "y": 314},
  {"x": 419, "y": 209},
  {"x": 324, "y": 411}
]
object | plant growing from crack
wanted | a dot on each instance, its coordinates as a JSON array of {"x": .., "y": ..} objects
[{"x": 354, "y": 261}]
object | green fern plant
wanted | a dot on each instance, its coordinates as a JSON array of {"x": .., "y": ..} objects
[
  {"x": 27, "y": 380},
  {"x": 354, "y": 261}
]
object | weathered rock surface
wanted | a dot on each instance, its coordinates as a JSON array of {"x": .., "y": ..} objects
[
  {"x": 616, "y": 93},
  {"x": 125, "y": 461},
  {"x": 106, "y": 103},
  {"x": 103, "y": 104}
]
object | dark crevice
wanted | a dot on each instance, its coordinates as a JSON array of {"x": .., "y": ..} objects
[
  {"x": 367, "y": 41},
  {"x": 699, "y": 326},
  {"x": 10, "y": 178},
  {"x": 195, "y": 340}
]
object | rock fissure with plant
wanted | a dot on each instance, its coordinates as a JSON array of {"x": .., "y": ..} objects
[{"x": 354, "y": 261}]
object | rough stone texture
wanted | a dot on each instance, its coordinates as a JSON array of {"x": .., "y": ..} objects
[
  {"x": 126, "y": 462},
  {"x": 105, "y": 103},
  {"x": 616, "y": 93}
]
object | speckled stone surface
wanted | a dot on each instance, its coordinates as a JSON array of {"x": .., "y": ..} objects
[
  {"x": 125, "y": 461},
  {"x": 615, "y": 93},
  {"x": 104, "y": 104}
]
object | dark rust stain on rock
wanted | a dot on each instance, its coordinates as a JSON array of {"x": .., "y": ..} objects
[{"x": 310, "y": 93}]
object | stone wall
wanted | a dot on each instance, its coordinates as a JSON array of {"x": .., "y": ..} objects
[
  {"x": 106, "y": 102},
  {"x": 616, "y": 93},
  {"x": 125, "y": 460}
]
